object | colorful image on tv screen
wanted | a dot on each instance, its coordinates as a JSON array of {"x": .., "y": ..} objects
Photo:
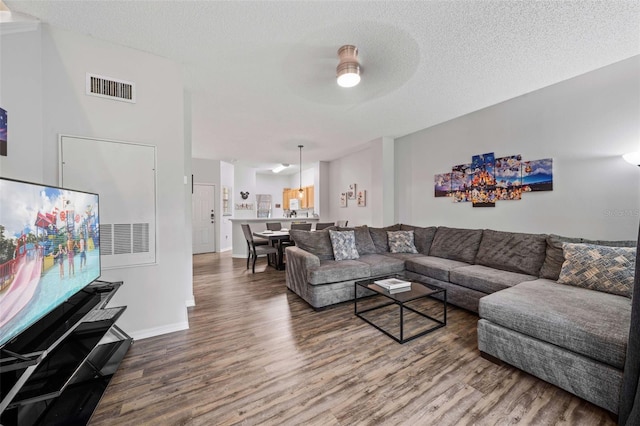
[{"x": 49, "y": 250}]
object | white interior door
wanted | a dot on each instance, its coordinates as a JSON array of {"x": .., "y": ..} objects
[{"x": 203, "y": 218}]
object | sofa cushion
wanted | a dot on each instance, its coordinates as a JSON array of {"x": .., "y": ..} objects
[
  {"x": 401, "y": 242},
  {"x": 344, "y": 245},
  {"x": 600, "y": 268},
  {"x": 364, "y": 243},
  {"x": 380, "y": 238},
  {"x": 590, "y": 323},
  {"x": 333, "y": 271},
  {"x": 434, "y": 267},
  {"x": 314, "y": 242},
  {"x": 456, "y": 244},
  {"x": 422, "y": 237},
  {"x": 403, "y": 256},
  {"x": 512, "y": 251},
  {"x": 485, "y": 279},
  {"x": 555, "y": 257},
  {"x": 381, "y": 264}
]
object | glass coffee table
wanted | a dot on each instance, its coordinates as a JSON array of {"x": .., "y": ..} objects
[{"x": 422, "y": 307}]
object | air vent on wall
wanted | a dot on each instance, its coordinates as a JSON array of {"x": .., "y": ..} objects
[
  {"x": 111, "y": 88},
  {"x": 124, "y": 238}
]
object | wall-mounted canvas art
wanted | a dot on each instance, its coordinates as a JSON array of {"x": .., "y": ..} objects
[
  {"x": 461, "y": 183},
  {"x": 537, "y": 175},
  {"x": 362, "y": 198},
  {"x": 442, "y": 184},
  {"x": 508, "y": 176},
  {"x": 351, "y": 192},
  {"x": 488, "y": 179},
  {"x": 483, "y": 183},
  {"x": 343, "y": 199},
  {"x": 3, "y": 132}
]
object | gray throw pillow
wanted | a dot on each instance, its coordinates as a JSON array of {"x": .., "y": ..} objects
[
  {"x": 422, "y": 237},
  {"x": 344, "y": 245},
  {"x": 315, "y": 242},
  {"x": 600, "y": 268},
  {"x": 456, "y": 244},
  {"x": 555, "y": 257},
  {"x": 380, "y": 237},
  {"x": 401, "y": 242},
  {"x": 364, "y": 243},
  {"x": 512, "y": 251}
]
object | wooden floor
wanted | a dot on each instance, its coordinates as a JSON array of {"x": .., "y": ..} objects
[{"x": 256, "y": 354}]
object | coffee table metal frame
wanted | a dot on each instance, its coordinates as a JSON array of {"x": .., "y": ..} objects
[{"x": 418, "y": 291}]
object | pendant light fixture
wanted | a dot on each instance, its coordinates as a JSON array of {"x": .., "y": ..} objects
[
  {"x": 300, "y": 190},
  {"x": 348, "y": 70}
]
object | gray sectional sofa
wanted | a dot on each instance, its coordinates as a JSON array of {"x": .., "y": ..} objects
[{"x": 567, "y": 335}]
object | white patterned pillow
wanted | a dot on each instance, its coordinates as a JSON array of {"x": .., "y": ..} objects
[
  {"x": 401, "y": 242},
  {"x": 600, "y": 268},
  {"x": 344, "y": 245}
]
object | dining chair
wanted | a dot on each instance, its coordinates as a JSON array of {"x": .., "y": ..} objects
[
  {"x": 301, "y": 226},
  {"x": 342, "y": 223},
  {"x": 274, "y": 226},
  {"x": 255, "y": 250},
  {"x": 324, "y": 225}
]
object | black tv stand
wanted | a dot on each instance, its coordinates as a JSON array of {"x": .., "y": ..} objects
[{"x": 56, "y": 371}]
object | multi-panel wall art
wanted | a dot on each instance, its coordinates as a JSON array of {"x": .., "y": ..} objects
[{"x": 487, "y": 179}]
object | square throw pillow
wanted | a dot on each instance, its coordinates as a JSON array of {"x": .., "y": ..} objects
[
  {"x": 380, "y": 237},
  {"x": 555, "y": 257},
  {"x": 364, "y": 243},
  {"x": 344, "y": 245},
  {"x": 600, "y": 268},
  {"x": 401, "y": 242}
]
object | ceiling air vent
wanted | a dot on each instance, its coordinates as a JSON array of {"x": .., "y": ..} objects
[{"x": 111, "y": 88}]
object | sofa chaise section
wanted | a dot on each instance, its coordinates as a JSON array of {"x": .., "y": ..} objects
[{"x": 572, "y": 337}]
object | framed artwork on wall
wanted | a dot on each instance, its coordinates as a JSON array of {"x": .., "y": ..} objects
[
  {"x": 3, "y": 132},
  {"x": 351, "y": 192},
  {"x": 343, "y": 199},
  {"x": 362, "y": 198}
]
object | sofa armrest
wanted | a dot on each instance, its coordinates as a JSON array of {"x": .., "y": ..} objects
[{"x": 298, "y": 264}]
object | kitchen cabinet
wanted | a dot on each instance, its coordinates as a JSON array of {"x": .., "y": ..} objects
[{"x": 306, "y": 202}]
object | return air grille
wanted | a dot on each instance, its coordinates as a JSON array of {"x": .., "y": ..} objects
[
  {"x": 124, "y": 238},
  {"x": 111, "y": 88}
]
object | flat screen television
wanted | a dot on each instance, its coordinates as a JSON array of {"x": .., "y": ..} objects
[{"x": 49, "y": 250}]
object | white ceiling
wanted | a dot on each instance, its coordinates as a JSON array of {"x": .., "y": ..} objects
[{"x": 262, "y": 73}]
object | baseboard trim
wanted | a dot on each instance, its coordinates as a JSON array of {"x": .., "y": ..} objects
[
  {"x": 158, "y": 331},
  {"x": 191, "y": 302}
]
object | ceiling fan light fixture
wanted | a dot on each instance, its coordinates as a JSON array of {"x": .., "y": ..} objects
[
  {"x": 348, "y": 70},
  {"x": 632, "y": 158},
  {"x": 280, "y": 168}
]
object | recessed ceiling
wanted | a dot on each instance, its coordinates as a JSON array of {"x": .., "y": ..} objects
[{"x": 262, "y": 74}]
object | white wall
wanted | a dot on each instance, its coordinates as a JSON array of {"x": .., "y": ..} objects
[
  {"x": 356, "y": 168},
  {"x": 21, "y": 97},
  {"x": 226, "y": 179},
  {"x": 585, "y": 124},
  {"x": 156, "y": 294}
]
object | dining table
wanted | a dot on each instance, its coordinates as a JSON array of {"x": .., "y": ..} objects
[{"x": 276, "y": 239}]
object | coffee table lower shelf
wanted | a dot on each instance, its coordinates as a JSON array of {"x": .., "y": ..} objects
[{"x": 418, "y": 291}]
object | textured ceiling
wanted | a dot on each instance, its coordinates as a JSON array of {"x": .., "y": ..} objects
[{"x": 262, "y": 74}]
